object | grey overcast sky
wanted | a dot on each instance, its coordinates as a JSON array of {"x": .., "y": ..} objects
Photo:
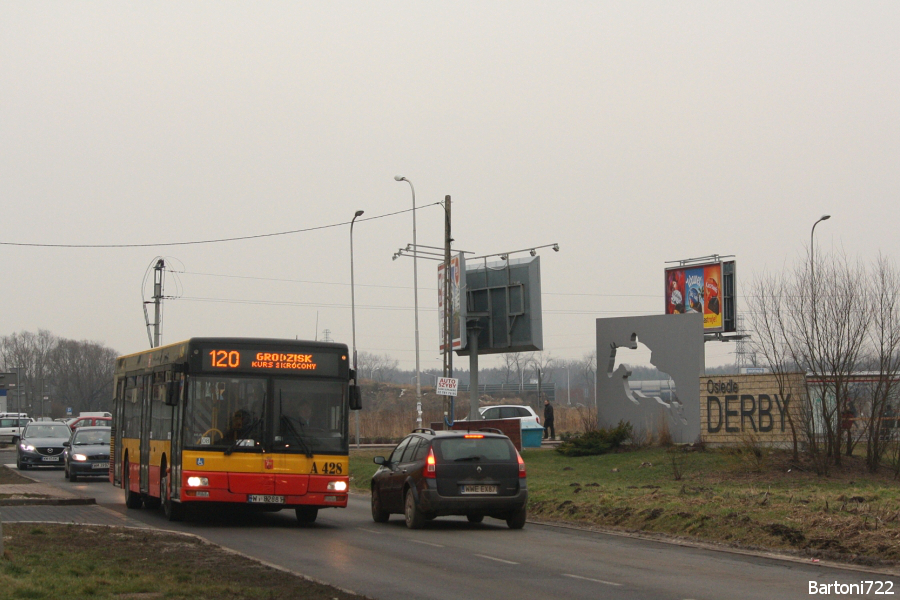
[{"x": 632, "y": 133}]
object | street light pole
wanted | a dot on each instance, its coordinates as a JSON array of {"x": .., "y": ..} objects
[
  {"x": 812, "y": 271},
  {"x": 353, "y": 315},
  {"x": 416, "y": 292}
]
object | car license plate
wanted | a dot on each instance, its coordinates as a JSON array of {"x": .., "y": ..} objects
[
  {"x": 50, "y": 458},
  {"x": 100, "y": 466},
  {"x": 257, "y": 498},
  {"x": 479, "y": 489}
]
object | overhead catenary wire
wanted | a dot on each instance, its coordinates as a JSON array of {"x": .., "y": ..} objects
[{"x": 217, "y": 240}]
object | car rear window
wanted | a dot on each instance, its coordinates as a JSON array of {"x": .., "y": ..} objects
[{"x": 488, "y": 448}]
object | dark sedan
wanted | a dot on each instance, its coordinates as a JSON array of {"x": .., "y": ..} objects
[
  {"x": 87, "y": 453},
  {"x": 42, "y": 444}
]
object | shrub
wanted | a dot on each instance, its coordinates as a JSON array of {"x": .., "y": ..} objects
[{"x": 596, "y": 441}]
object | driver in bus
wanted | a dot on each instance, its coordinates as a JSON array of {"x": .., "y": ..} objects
[{"x": 240, "y": 424}]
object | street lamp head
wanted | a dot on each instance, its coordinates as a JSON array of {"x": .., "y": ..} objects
[
  {"x": 533, "y": 252},
  {"x": 399, "y": 178},
  {"x": 502, "y": 257},
  {"x": 556, "y": 247},
  {"x": 825, "y": 217},
  {"x": 359, "y": 213}
]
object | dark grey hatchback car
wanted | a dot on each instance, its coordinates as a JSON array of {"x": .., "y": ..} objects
[{"x": 438, "y": 473}]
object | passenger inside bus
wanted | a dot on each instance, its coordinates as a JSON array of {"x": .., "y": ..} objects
[{"x": 305, "y": 414}]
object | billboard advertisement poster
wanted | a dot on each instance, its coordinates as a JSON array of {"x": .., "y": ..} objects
[
  {"x": 696, "y": 289},
  {"x": 457, "y": 270}
]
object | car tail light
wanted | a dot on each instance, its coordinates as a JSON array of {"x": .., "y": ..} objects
[
  {"x": 521, "y": 465},
  {"x": 430, "y": 464},
  {"x": 473, "y": 436},
  {"x": 538, "y": 420}
]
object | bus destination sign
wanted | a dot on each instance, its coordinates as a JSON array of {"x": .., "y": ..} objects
[{"x": 242, "y": 359}]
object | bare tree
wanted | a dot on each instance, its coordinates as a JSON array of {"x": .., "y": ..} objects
[
  {"x": 27, "y": 354},
  {"x": 588, "y": 367},
  {"x": 542, "y": 366},
  {"x": 884, "y": 339},
  {"x": 832, "y": 339},
  {"x": 83, "y": 374},
  {"x": 377, "y": 367},
  {"x": 768, "y": 304}
]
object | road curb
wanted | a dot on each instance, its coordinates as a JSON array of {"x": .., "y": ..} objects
[{"x": 47, "y": 501}]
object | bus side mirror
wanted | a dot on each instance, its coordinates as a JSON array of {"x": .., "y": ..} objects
[
  {"x": 355, "y": 398},
  {"x": 172, "y": 388}
]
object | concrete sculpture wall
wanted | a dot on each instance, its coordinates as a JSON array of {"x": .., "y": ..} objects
[{"x": 676, "y": 343}]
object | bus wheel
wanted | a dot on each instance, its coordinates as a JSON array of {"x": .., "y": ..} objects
[
  {"x": 174, "y": 511},
  {"x": 307, "y": 514},
  {"x": 132, "y": 499}
]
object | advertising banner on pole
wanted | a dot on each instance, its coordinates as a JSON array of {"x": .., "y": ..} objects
[{"x": 455, "y": 308}]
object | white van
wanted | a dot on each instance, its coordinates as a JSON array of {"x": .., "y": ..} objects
[{"x": 11, "y": 425}]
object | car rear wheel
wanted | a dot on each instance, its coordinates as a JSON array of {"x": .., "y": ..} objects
[
  {"x": 475, "y": 518},
  {"x": 414, "y": 517},
  {"x": 517, "y": 519},
  {"x": 306, "y": 515},
  {"x": 379, "y": 515}
]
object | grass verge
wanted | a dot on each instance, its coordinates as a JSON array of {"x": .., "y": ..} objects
[
  {"x": 47, "y": 561},
  {"x": 740, "y": 499}
]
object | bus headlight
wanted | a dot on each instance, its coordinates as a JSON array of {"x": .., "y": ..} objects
[
  {"x": 337, "y": 486},
  {"x": 197, "y": 481}
]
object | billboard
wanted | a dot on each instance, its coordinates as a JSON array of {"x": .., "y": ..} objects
[
  {"x": 503, "y": 305},
  {"x": 456, "y": 309},
  {"x": 704, "y": 288}
]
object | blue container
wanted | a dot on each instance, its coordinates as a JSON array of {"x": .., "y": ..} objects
[{"x": 531, "y": 437}]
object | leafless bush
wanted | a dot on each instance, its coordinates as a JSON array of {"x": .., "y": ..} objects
[{"x": 754, "y": 453}]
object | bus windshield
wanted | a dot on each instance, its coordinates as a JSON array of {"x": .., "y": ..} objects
[
  {"x": 254, "y": 414},
  {"x": 309, "y": 416}
]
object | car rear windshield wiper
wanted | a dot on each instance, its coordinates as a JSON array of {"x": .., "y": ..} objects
[{"x": 465, "y": 458}]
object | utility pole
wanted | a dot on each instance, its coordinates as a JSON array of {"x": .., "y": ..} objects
[
  {"x": 157, "y": 298},
  {"x": 158, "y": 272},
  {"x": 448, "y": 306}
]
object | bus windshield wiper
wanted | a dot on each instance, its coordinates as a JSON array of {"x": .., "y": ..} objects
[
  {"x": 245, "y": 436},
  {"x": 290, "y": 425}
]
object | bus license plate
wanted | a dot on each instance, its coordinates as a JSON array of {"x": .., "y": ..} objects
[
  {"x": 257, "y": 498},
  {"x": 479, "y": 489},
  {"x": 50, "y": 458},
  {"x": 100, "y": 466}
]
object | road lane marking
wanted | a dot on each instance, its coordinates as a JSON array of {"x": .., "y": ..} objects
[
  {"x": 428, "y": 543},
  {"x": 508, "y": 562},
  {"x": 594, "y": 580},
  {"x": 371, "y": 531}
]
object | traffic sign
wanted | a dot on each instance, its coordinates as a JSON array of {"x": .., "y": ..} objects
[{"x": 447, "y": 386}]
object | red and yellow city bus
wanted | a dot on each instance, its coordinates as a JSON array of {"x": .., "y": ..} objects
[{"x": 240, "y": 421}]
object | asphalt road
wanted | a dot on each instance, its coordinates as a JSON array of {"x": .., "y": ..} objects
[{"x": 453, "y": 559}]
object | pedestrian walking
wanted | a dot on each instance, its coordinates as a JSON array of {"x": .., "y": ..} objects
[{"x": 549, "y": 429}]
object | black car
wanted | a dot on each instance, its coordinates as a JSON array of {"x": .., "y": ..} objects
[
  {"x": 437, "y": 473},
  {"x": 87, "y": 453},
  {"x": 41, "y": 444}
]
